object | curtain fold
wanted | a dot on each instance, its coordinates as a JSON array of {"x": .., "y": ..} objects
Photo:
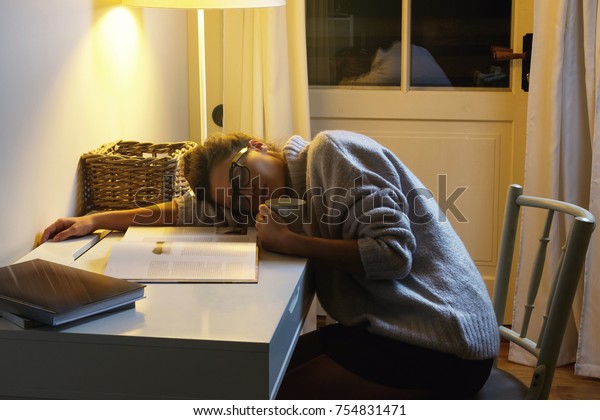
[
  {"x": 588, "y": 355},
  {"x": 265, "y": 81},
  {"x": 560, "y": 163}
]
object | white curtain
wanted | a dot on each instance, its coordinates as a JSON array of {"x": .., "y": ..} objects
[
  {"x": 563, "y": 158},
  {"x": 265, "y": 81}
]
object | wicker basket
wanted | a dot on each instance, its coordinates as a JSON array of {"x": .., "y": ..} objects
[{"x": 130, "y": 174}]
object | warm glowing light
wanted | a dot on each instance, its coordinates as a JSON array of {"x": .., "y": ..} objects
[
  {"x": 119, "y": 31},
  {"x": 200, "y": 5},
  {"x": 204, "y": 4},
  {"x": 118, "y": 36}
]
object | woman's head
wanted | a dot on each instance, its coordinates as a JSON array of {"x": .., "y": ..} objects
[
  {"x": 258, "y": 173},
  {"x": 352, "y": 62}
]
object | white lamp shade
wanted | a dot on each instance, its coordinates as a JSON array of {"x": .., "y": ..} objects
[{"x": 204, "y": 4}]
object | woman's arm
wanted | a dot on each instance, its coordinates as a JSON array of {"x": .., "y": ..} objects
[
  {"x": 274, "y": 235},
  {"x": 341, "y": 254},
  {"x": 155, "y": 215}
]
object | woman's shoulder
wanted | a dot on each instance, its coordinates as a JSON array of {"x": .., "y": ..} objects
[
  {"x": 342, "y": 141},
  {"x": 347, "y": 145}
]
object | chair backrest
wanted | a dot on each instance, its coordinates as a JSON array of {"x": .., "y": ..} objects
[{"x": 546, "y": 347}]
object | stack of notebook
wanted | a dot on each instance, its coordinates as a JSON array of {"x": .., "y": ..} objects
[{"x": 42, "y": 292}]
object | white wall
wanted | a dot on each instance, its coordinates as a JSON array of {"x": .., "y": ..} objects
[{"x": 75, "y": 74}]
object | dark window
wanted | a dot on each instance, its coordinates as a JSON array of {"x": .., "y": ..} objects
[{"x": 358, "y": 42}]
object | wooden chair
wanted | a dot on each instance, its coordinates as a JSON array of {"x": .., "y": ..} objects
[{"x": 502, "y": 385}]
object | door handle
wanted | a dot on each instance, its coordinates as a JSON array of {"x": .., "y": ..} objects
[{"x": 506, "y": 54}]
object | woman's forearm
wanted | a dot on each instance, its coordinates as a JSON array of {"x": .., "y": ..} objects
[
  {"x": 160, "y": 214},
  {"x": 66, "y": 227},
  {"x": 274, "y": 235},
  {"x": 342, "y": 254}
]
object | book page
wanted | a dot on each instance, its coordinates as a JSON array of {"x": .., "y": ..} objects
[{"x": 183, "y": 261}]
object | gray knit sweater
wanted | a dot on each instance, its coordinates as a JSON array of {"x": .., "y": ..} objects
[{"x": 421, "y": 285}]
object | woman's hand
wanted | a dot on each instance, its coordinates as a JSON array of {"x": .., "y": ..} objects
[
  {"x": 274, "y": 235},
  {"x": 67, "y": 227},
  {"x": 155, "y": 215},
  {"x": 272, "y": 232}
]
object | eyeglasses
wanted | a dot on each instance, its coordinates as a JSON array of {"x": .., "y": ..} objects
[{"x": 239, "y": 176}]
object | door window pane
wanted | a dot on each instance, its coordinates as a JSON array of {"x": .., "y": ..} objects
[
  {"x": 460, "y": 34},
  {"x": 358, "y": 42},
  {"x": 344, "y": 35}
]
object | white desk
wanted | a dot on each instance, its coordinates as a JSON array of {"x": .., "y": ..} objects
[{"x": 183, "y": 341}]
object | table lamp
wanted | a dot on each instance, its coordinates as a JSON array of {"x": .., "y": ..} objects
[{"x": 200, "y": 5}]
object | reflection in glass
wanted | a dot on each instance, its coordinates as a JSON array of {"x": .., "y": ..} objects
[
  {"x": 460, "y": 33},
  {"x": 357, "y": 42},
  {"x": 339, "y": 29},
  {"x": 356, "y": 67}
]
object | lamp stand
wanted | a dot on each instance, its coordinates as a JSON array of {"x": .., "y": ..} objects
[{"x": 202, "y": 77}]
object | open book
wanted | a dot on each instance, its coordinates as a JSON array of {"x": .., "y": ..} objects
[{"x": 185, "y": 254}]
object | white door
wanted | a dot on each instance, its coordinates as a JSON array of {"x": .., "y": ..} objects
[{"x": 467, "y": 144}]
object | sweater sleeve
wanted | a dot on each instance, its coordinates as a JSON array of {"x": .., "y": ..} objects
[
  {"x": 363, "y": 200},
  {"x": 385, "y": 240}
]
